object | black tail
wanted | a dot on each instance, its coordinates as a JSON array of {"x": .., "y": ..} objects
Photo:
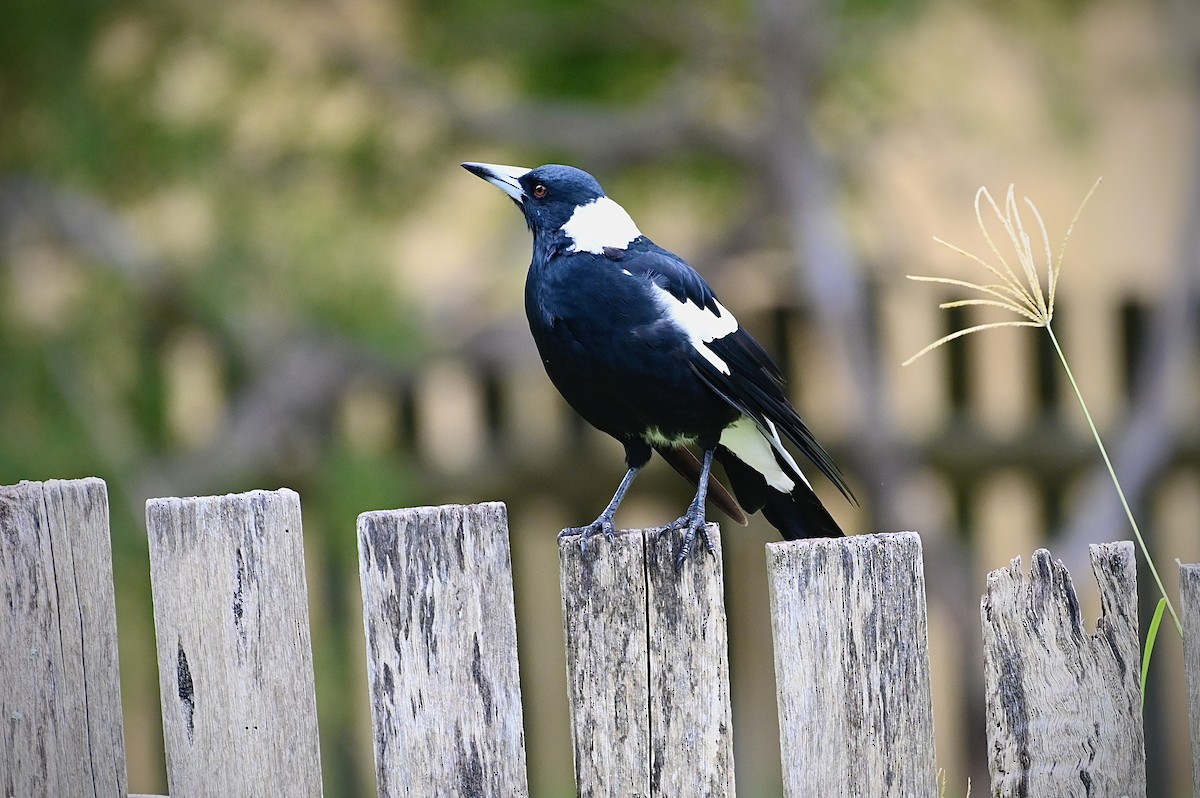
[
  {"x": 796, "y": 515},
  {"x": 799, "y": 514}
]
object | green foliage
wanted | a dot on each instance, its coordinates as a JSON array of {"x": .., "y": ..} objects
[
  {"x": 573, "y": 50},
  {"x": 1151, "y": 637}
]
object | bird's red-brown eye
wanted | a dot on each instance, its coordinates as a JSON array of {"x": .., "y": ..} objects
[{"x": 540, "y": 191}]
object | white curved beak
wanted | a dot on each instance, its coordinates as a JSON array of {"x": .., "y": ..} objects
[{"x": 505, "y": 178}]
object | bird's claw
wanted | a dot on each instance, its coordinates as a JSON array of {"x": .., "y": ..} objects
[
  {"x": 602, "y": 525},
  {"x": 692, "y": 523}
]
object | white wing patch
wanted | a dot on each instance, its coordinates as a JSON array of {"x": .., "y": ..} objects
[
  {"x": 777, "y": 445},
  {"x": 700, "y": 325},
  {"x": 745, "y": 439},
  {"x": 600, "y": 224},
  {"x": 749, "y": 443}
]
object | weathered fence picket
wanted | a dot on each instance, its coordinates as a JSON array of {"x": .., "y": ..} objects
[
  {"x": 234, "y": 652},
  {"x": 852, "y": 666},
  {"x": 60, "y": 694},
  {"x": 1063, "y": 706},
  {"x": 608, "y": 686},
  {"x": 442, "y": 651},
  {"x": 646, "y": 649},
  {"x": 690, "y": 713},
  {"x": 647, "y": 667},
  {"x": 1189, "y": 604}
]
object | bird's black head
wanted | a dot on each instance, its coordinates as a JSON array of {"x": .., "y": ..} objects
[{"x": 562, "y": 202}]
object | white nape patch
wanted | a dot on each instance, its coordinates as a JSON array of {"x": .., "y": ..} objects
[
  {"x": 600, "y": 224},
  {"x": 748, "y": 442},
  {"x": 700, "y": 325}
]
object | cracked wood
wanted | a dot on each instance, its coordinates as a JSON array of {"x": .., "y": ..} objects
[
  {"x": 1064, "y": 711},
  {"x": 442, "y": 651},
  {"x": 234, "y": 646},
  {"x": 60, "y": 698},
  {"x": 647, "y": 667},
  {"x": 852, "y": 666}
]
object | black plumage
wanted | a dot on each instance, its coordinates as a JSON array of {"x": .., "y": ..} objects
[{"x": 637, "y": 343}]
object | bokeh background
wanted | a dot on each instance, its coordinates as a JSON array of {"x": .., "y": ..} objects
[{"x": 237, "y": 252}]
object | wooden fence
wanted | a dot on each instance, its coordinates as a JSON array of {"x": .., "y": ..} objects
[{"x": 647, "y": 658}]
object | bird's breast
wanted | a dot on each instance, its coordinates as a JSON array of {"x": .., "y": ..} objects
[
  {"x": 616, "y": 358},
  {"x": 589, "y": 295}
]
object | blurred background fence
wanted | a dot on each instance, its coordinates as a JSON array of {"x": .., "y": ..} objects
[{"x": 236, "y": 250}]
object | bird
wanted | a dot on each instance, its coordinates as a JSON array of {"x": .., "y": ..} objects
[{"x": 638, "y": 344}]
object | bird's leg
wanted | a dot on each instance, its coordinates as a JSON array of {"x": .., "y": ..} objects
[
  {"x": 693, "y": 522},
  {"x": 604, "y": 523}
]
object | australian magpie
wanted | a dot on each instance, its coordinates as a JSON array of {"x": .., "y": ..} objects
[{"x": 636, "y": 341}]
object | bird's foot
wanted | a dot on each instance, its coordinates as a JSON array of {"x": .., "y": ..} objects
[
  {"x": 691, "y": 523},
  {"x": 602, "y": 525}
]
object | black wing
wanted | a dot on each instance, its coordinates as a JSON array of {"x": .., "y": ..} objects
[
  {"x": 668, "y": 271},
  {"x": 754, "y": 386}
]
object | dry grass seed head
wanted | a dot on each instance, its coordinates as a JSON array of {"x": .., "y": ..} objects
[{"x": 1021, "y": 295}]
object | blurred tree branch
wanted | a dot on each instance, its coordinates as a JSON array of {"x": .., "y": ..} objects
[
  {"x": 796, "y": 36},
  {"x": 1149, "y": 437},
  {"x": 33, "y": 206},
  {"x": 285, "y": 405}
]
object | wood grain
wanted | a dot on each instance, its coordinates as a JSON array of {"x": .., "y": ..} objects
[
  {"x": 60, "y": 700},
  {"x": 1189, "y": 590},
  {"x": 608, "y": 685},
  {"x": 1063, "y": 706},
  {"x": 852, "y": 666},
  {"x": 647, "y": 667},
  {"x": 690, "y": 714},
  {"x": 442, "y": 651},
  {"x": 234, "y": 647}
]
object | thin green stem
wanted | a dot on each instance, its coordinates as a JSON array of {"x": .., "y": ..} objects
[
  {"x": 1151, "y": 636},
  {"x": 1137, "y": 533}
]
